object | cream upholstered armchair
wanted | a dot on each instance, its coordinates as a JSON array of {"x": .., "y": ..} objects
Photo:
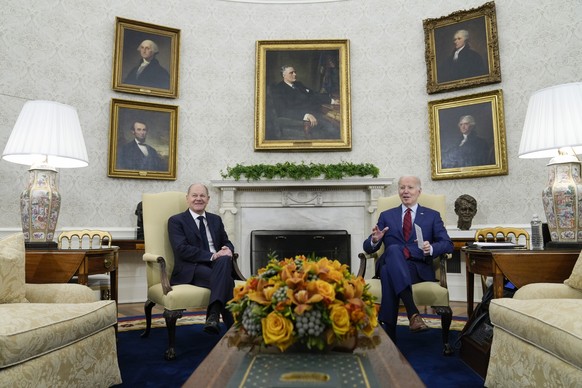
[
  {"x": 52, "y": 335},
  {"x": 159, "y": 259},
  {"x": 537, "y": 335},
  {"x": 434, "y": 294}
]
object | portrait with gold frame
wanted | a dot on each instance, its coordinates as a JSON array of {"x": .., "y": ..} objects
[
  {"x": 147, "y": 156},
  {"x": 483, "y": 151},
  {"x": 462, "y": 50},
  {"x": 133, "y": 72},
  {"x": 321, "y": 90}
]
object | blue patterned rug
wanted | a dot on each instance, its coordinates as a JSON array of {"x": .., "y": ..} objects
[{"x": 142, "y": 359}]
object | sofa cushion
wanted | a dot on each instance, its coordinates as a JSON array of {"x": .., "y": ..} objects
[
  {"x": 552, "y": 325},
  {"x": 575, "y": 279},
  {"x": 29, "y": 330},
  {"x": 12, "y": 272}
]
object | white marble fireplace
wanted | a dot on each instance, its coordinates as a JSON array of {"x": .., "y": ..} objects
[{"x": 316, "y": 204}]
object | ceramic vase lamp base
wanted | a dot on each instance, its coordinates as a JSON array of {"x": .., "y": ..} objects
[
  {"x": 40, "y": 204},
  {"x": 562, "y": 202}
]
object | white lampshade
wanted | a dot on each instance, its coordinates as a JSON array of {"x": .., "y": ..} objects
[
  {"x": 46, "y": 135},
  {"x": 553, "y": 129},
  {"x": 47, "y": 129},
  {"x": 553, "y": 121}
]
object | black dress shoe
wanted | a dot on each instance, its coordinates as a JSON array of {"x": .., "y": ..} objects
[{"x": 211, "y": 326}]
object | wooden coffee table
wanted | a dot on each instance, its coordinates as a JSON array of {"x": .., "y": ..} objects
[{"x": 389, "y": 365}]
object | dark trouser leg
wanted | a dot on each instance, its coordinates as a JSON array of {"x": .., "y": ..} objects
[
  {"x": 395, "y": 278},
  {"x": 408, "y": 300},
  {"x": 217, "y": 276}
]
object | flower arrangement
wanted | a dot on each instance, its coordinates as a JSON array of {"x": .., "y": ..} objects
[{"x": 312, "y": 301}]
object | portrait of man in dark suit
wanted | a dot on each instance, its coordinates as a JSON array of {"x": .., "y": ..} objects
[
  {"x": 148, "y": 71},
  {"x": 461, "y": 51},
  {"x": 466, "y": 136},
  {"x": 143, "y": 140},
  {"x": 146, "y": 58},
  {"x": 137, "y": 154},
  {"x": 303, "y": 96}
]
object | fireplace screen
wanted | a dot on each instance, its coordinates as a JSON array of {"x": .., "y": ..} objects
[{"x": 333, "y": 244}]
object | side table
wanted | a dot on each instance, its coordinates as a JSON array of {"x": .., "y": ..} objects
[
  {"x": 60, "y": 265},
  {"x": 519, "y": 266}
]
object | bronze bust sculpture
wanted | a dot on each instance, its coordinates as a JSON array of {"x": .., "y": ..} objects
[{"x": 465, "y": 209}]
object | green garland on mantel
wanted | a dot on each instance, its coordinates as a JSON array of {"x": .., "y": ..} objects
[{"x": 300, "y": 171}]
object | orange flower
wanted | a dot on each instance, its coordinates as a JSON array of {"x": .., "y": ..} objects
[
  {"x": 303, "y": 299},
  {"x": 293, "y": 278},
  {"x": 263, "y": 293}
]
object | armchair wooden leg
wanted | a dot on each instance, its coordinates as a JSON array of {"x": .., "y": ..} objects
[
  {"x": 446, "y": 314},
  {"x": 147, "y": 308},
  {"x": 171, "y": 316}
]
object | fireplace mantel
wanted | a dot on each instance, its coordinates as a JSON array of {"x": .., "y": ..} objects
[
  {"x": 285, "y": 204},
  {"x": 316, "y": 182}
]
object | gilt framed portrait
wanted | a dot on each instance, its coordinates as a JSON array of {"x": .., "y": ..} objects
[
  {"x": 145, "y": 59},
  {"x": 302, "y": 96},
  {"x": 142, "y": 140},
  {"x": 462, "y": 50},
  {"x": 467, "y": 136}
]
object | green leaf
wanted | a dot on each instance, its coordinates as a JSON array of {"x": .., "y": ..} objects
[{"x": 300, "y": 171}]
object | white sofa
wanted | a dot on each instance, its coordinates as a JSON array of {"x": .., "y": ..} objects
[
  {"x": 537, "y": 335},
  {"x": 52, "y": 335}
]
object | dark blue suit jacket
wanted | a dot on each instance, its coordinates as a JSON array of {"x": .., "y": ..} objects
[
  {"x": 186, "y": 244},
  {"x": 433, "y": 231}
]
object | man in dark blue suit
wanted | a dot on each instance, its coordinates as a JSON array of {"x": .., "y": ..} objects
[
  {"x": 203, "y": 255},
  {"x": 403, "y": 263}
]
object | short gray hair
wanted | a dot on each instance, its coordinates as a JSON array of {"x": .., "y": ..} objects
[{"x": 411, "y": 176}]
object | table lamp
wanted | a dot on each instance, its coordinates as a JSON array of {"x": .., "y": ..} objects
[
  {"x": 553, "y": 129},
  {"x": 47, "y": 135}
]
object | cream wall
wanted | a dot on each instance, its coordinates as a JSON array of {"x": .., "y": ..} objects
[{"x": 62, "y": 50}]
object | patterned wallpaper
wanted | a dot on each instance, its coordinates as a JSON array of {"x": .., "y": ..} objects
[{"x": 63, "y": 50}]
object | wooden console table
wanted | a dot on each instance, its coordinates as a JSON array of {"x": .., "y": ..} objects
[
  {"x": 519, "y": 266},
  {"x": 130, "y": 245},
  {"x": 60, "y": 265}
]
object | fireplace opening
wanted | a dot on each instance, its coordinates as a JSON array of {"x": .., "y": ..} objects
[{"x": 333, "y": 244}]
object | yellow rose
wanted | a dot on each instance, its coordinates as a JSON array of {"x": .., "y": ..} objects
[
  {"x": 324, "y": 289},
  {"x": 277, "y": 330},
  {"x": 340, "y": 319}
]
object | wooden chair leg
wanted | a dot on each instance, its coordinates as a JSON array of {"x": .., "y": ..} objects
[
  {"x": 446, "y": 314},
  {"x": 147, "y": 308},
  {"x": 171, "y": 316}
]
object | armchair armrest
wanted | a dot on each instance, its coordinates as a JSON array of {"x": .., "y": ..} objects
[
  {"x": 165, "y": 281},
  {"x": 442, "y": 265},
  {"x": 440, "y": 262},
  {"x": 236, "y": 268},
  {"x": 59, "y": 293},
  {"x": 363, "y": 261}
]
